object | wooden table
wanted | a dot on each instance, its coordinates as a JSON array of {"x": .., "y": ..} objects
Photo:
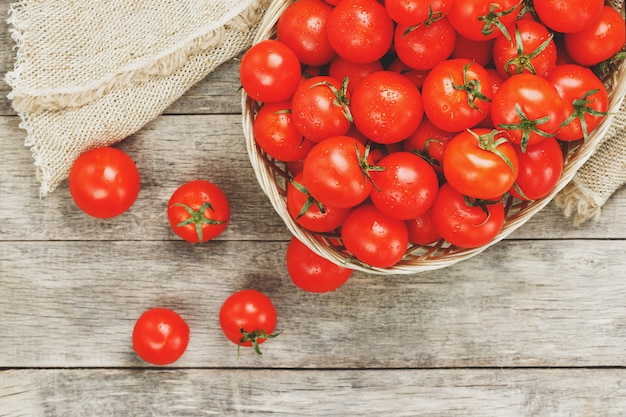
[{"x": 535, "y": 326}]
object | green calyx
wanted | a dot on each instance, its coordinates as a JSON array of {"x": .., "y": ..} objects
[
  {"x": 526, "y": 126},
  {"x": 309, "y": 201},
  {"x": 471, "y": 87},
  {"x": 341, "y": 96},
  {"x": 523, "y": 61},
  {"x": 582, "y": 108},
  {"x": 490, "y": 143},
  {"x": 197, "y": 218},
  {"x": 366, "y": 167},
  {"x": 254, "y": 337},
  {"x": 491, "y": 20}
]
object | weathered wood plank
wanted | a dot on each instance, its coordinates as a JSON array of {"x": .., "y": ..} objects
[
  {"x": 208, "y": 392},
  {"x": 521, "y": 303},
  {"x": 173, "y": 149}
]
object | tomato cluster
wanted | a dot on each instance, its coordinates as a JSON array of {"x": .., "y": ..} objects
[{"x": 411, "y": 121}]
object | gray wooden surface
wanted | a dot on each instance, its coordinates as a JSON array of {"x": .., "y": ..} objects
[{"x": 534, "y": 326}]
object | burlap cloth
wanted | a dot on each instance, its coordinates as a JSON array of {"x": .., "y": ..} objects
[{"x": 90, "y": 73}]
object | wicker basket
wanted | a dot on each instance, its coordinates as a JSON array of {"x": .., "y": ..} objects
[{"x": 273, "y": 178}]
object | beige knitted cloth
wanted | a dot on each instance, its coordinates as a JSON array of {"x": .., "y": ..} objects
[{"x": 90, "y": 73}]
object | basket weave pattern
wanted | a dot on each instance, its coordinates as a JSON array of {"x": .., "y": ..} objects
[{"x": 273, "y": 178}]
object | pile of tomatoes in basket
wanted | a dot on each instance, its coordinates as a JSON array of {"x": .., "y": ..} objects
[{"x": 409, "y": 121}]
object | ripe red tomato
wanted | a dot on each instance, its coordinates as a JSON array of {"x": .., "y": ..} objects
[
  {"x": 248, "y": 318},
  {"x": 457, "y": 94},
  {"x": 270, "y": 71},
  {"x": 414, "y": 12},
  {"x": 160, "y": 336},
  {"x": 480, "y": 163},
  {"x": 311, "y": 272},
  {"x": 386, "y": 107},
  {"x": 275, "y": 132},
  {"x": 336, "y": 172},
  {"x": 540, "y": 168},
  {"x": 585, "y": 100},
  {"x": 465, "y": 222},
  {"x": 360, "y": 30},
  {"x": 483, "y": 19},
  {"x": 531, "y": 50},
  {"x": 479, "y": 51},
  {"x": 600, "y": 41},
  {"x": 340, "y": 68},
  {"x": 198, "y": 211},
  {"x": 303, "y": 27},
  {"x": 407, "y": 186},
  {"x": 310, "y": 213},
  {"x": 104, "y": 182},
  {"x": 413, "y": 44},
  {"x": 568, "y": 15},
  {"x": 422, "y": 230},
  {"x": 415, "y": 76},
  {"x": 374, "y": 237},
  {"x": 429, "y": 142},
  {"x": 320, "y": 108},
  {"x": 529, "y": 108}
]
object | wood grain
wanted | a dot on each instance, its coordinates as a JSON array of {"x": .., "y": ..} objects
[{"x": 402, "y": 393}]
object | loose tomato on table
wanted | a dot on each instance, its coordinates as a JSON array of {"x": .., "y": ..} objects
[
  {"x": 303, "y": 27},
  {"x": 374, "y": 237},
  {"x": 248, "y": 318},
  {"x": 311, "y": 272},
  {"x": 104, "y": 182},
  {"x": 466, "y": 222},
  {"x": 270, "y": 71},
  {"x": 585, "y": 100},
  {"x": 386, "y": 107},
  {"x": 457, "y": 94},
  {"x": 406, "y": 187},
  {"x": 275, "y": 132},
  {"x": 198, "y": 211},
  {"x": 481, "y": 163},
  {"x": 160, "y": 336},
  {"x": 529, "y": 108}
]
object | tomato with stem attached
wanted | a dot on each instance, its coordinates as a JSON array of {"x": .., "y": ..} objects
[
  {"x": 540, "y": 169},
  {"x": 198, "y": 211}
]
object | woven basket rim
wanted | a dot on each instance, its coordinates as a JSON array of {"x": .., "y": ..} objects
[{"x": 265, "y": 174}]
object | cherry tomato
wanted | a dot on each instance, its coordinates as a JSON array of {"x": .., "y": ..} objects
[
  {"x": 406, "y": 187},
  {"x": 413, "y": 44},
  {"x": 198, "y": 211},
  {"x": 530, "y": 50},
  {"x": 360, "y": 30},
  {"x": 303, "y": 27},
  {"x": 483, "y": 19},
  {"x": 600, "y": 41},
  {"x": 585, "y": 100},
  {"x": 340, "y": 68},
  {"x": 465, "y": 222},
  {"x": 529, "y": 108},
  {"x": 336, "y": 172},
  {"x": 310, "y": 213},
  {"x": 160, "y": 336},
  {"x": 429, "y": 142},
  {"x": 387, "y": 107},
  {"x": 480, "y": 163},
  {"x": 414, "y": 12},
  {"x": 457, "y": 94},
  {"x": 275, "y": 132},
  {"x": 248, "y": 318},
  {"x": 413, "y": 75},
  {"x": 269, "y": 71},
  {"x": 479, "y": 51},
  {"x": 320, "y": 108},
  {"x": 104, "y": 182},
  {"x": 568, "y": 15},
  {"x": 540, "y": 169},
  {"x": 422, "y": 230},
  {"x": 374, "y": 237},
  {"x": 311, "y": 272}
]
